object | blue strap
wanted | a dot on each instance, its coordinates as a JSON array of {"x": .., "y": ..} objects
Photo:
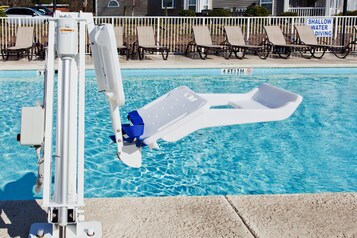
[
  {"x": 135, "y": 118},
  {"x": 112, "y": 137},
  {"x": 133, "y": 132}
]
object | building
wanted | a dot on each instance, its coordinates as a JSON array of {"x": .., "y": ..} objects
[
  {"x": 317, "y": 7},
  {"x": 241, "y": 5},
  {"x": 172, "y": 7},
  {"x": 138, "y": 7},
  {"x": 165, "y": 7},
  {"x": 148, "y": 7}
]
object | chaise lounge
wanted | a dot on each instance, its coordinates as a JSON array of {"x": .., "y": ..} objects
[
  {"x": 235, "y": 39},
  {"x": 276, "y": 39},
  {"x": 146, "y": 42},
  {"x": 202, "y": 43},
  {"x": 122, "y": 47},
  {"x": 24, "y": 44},
  {"x": 307, "y": 37}
]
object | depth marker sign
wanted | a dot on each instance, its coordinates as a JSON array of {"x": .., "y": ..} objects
[{"x": 322, "y": 27}]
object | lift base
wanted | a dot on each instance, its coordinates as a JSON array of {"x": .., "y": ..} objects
[{"x": 80, "y": 230}]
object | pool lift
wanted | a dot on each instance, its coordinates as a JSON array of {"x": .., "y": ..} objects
[{"x": 170, "y": 117}]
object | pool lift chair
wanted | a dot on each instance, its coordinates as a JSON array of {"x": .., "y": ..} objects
[{"x": 170, "y": 117}]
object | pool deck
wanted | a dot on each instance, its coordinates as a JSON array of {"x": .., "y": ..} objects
[
  {"x": 273, "y": 216},
  {"x": 265, "y": 216},
  {"x": 180, "y": 61}
]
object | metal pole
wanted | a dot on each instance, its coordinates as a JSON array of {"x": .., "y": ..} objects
[
  {"x": 54, "y": 5},
  {"x": 344, "y": 13},
  {"x": 67, "y": 48},
  {"x": 94, "y": 7},
  {"x": 62, "y": 232},
  {"x": 49, "y": 116},
  {"x": 64, "y": 159}
]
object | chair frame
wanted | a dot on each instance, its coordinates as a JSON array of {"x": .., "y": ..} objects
[
  {"x": 354, "y": 39},
  {"x": 283, "y": 50},
  {"x": 242, "y": 46},
  {"x": 340, "y": 52},
  {"x": 122, "y": 46},
  {"x": 40, "y": 47},
  {"x": 204, "y": 49},
  {"x": 151, "y": 49},
  {"x": 18, "y": 51}
]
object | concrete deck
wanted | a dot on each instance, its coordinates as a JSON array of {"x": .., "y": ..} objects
[
  {"x": 310, "y": 215},
  {"x": 180, "y": 61}
]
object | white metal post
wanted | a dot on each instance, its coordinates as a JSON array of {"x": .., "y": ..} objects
[
  {"x": 73, "y": 135},
  {"x": 67, "y": 49},
  {"x": 64, "y": 150},
  {"x": 248, "y": 29},
  {"x": 327, "y": 8},
  {"x": 286, "y": 5},
  {"x": 158, "y": 30},
  {"x": 48, "y": 105},
  {"x": 81, "y": 106},
  {"x": 58, "y": 127}
]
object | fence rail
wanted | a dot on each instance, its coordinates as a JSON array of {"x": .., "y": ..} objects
[
  {"x": 308, "y": 11},
  {"x": 176, "y": 32}
]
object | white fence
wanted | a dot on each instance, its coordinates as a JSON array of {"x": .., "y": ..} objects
[{"x": 176, "y": 32}]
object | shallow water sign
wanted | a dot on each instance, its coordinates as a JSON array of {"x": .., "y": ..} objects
[{"x": 322, "y": 27}]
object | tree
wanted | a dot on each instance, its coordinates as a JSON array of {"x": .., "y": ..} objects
[
  {"x": 42, "y": 1},
  {"x": 85, "y": 5},
  {"x": 256, "y": 10},
  {"x": 133, "y": 7},
  {"x": 219, "y": 12},
  {"x": 288, "y": 14},
  {"x": 186, "y": 13},
  {"x": 77, "y": 5},
  {"x": 22, "y": 3}
]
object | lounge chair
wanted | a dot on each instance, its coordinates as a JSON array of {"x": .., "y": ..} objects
[
  {"x": 203, "y": 43},
  {"x": 307, "y": 37},
  {"x": 122, "y": 46},
  {"x": 40, "y": 46},
  {"x": 276, "y": 39},
  {"x": 235, "y": 39},
  {"x": 146, "y": 42},
  {"x": 354, "y": 38},
  {"x": 24, "y": 44}
]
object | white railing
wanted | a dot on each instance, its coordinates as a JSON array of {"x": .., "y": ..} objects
[
  {"x": 308, "y": 11},
  {"x": 176, "y": 32}
]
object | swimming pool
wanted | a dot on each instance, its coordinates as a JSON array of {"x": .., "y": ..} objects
[{"x": 313, "y": 151}]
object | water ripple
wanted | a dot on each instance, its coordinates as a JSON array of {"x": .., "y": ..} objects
[{"x": 313, "y": 151}]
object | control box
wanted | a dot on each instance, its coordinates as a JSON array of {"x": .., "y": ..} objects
[{"x": 32, "y": 126}]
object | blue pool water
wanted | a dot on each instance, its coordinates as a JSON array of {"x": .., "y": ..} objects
[{"x": 313, "y": 151}]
